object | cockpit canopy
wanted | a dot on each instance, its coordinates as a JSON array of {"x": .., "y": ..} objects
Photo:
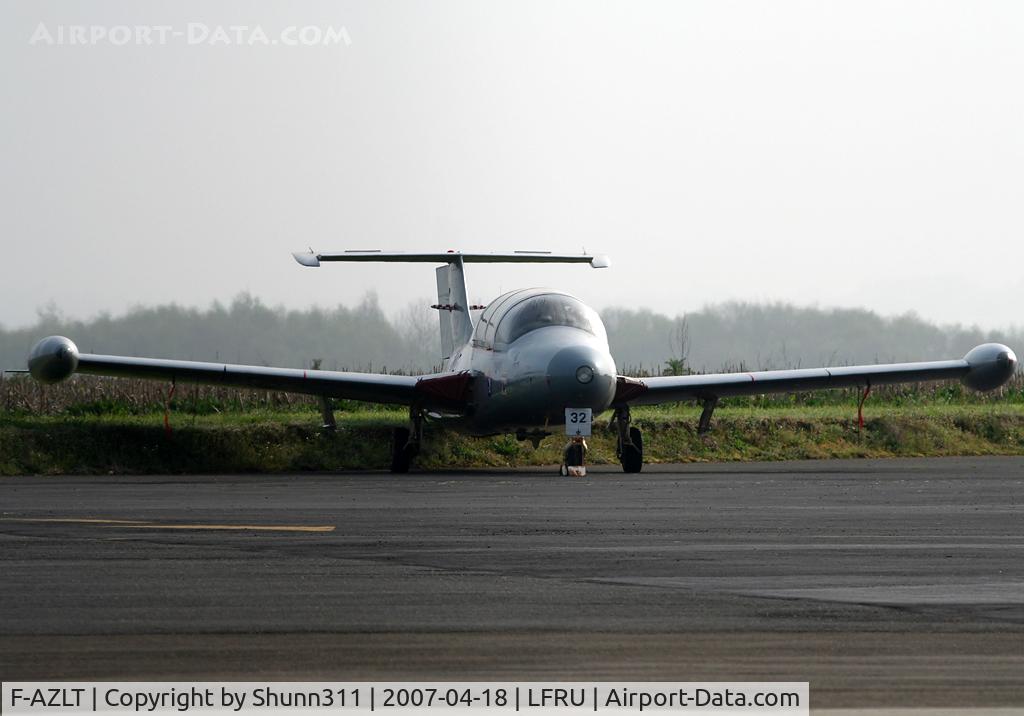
[{"x": 515, "y": 314}]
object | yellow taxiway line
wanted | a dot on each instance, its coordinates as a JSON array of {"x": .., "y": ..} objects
[
  {"x": 83, "y": 521},
  {"x": 264, "y": 528},
  {"x": 143, "y": 525}
]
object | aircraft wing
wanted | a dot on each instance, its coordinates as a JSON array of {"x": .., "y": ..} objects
[
  {"x": 55, "y": 358},
  {"x": 985, "y": 367}
]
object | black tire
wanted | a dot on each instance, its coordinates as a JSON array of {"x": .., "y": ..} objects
[
  {"x": 400, "y": 455},
  {"x": 638, "y": 438},
  {"x": 574, "y": 455},
  {"x": 632, "y": 456}
]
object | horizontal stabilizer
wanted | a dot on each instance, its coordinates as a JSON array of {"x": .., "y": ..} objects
[{"x": 449, "y": 257}]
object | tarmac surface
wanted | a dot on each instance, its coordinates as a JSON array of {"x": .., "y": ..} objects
[{"x": 883, "y": 583}]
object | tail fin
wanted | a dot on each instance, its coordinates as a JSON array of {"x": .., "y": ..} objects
[
  {"x": 453, "y": 308},
  {"x": 456, "y": 322}
]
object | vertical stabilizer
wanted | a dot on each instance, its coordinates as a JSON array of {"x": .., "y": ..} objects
[
  {"x": 444, "y": 298},
  {"x": 456, "y": 322}
]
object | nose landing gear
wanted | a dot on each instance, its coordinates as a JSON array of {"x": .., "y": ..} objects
[
  {"x": 573, "y": 458},
  {"x": 630, "y": 446}
]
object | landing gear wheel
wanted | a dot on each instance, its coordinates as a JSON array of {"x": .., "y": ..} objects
[
  {"x": 573, "y": 458},
  {"x": 574, "y": 455},
  {"x": 402, "y": 451},
  {"x": 632, "y": 456}
]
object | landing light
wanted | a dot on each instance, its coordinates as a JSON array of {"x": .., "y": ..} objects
[{"x": 584, "y": 374}]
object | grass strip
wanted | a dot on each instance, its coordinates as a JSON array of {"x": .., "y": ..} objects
[{"x": 272, "y": 442}]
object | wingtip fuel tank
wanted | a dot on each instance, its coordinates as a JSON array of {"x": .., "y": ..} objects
[
  {"x": 53, "y": 359},
  {"x": 991, "y": 365}
]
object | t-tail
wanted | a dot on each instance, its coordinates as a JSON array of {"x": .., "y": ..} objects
[{"x": 454, "y": 308}]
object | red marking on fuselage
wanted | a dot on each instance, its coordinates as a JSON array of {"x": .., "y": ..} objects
[
  {"x": 626, "y": 389},
  {"x": 451, "y": 388}
]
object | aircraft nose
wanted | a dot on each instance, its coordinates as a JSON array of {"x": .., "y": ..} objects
[{"x": 582, "y": 377}]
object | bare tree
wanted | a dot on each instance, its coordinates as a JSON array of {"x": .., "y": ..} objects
[
  {"x": 417, "y": 324},
  {"x": 679, "y": 346}
]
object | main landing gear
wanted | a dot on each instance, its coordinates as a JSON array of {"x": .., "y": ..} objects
[
  {"x": 630, "y": 445},
  {"x": 405, "y": 442}
]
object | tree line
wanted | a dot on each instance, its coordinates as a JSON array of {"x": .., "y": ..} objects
[{"x": 726, "y": 336}]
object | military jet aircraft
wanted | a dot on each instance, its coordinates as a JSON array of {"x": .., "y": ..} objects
[{"x": 534, "y": 359}]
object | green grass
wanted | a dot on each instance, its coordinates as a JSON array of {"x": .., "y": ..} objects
[{"x": 265, "y": 440}]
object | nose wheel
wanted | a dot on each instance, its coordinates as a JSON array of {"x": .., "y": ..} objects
[
  {"x": 630, "y": 446},
  {"x": 573, "y": 458}
]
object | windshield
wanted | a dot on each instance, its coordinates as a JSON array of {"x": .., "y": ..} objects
[{"x": 546, "y": 310}]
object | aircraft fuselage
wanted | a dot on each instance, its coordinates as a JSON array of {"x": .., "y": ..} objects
[{"x": 526, "y": 384}]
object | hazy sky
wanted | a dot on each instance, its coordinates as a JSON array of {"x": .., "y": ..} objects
[{"x": 839, "y": 154}]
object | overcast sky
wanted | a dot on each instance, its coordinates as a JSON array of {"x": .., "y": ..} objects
[{"x": 838, "y": 154}]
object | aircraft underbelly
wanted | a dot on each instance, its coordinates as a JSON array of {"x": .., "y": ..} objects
[{"x": 532, "y": 402}]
